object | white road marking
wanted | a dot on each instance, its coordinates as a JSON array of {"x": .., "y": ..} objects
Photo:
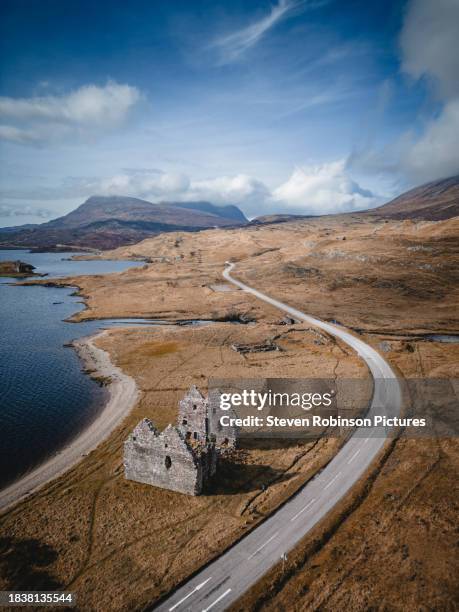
[
  {"x": 263, "y": 545},
  {"x": 217, "y": 600},
  {"x": 301, "y": 511},
  {"x": 379, "y": 369},
  {"x": 332, "y": 480},
  {"x": 189, "y": 594},
  {"x": 354, "y": 456}
]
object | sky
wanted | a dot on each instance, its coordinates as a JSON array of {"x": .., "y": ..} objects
[{"x": 277, "y": 106}]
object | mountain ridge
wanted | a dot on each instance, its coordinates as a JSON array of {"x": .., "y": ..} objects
[
  {"x": 432, "y": 201},
  {"x": 106, "y": 222}
]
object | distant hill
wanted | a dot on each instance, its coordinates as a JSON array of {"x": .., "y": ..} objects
[
  {"x": 277, "y": 218},
  {"x": 433, "y": 201},
  {"x": 229, "y": 212},
  {"x": 106, "y": 222}
]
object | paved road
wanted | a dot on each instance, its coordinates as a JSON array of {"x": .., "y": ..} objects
[{"x": 227, "y": 578}]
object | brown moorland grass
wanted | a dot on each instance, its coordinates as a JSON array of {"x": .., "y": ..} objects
[
  {"x": 393, "y": 542},
  {"x": 120, "y": 545}
]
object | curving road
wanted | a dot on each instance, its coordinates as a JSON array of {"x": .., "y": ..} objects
[{"x": 228, "y": 577}]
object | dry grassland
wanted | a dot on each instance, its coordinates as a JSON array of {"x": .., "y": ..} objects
[{"x": 120, "y": 545}]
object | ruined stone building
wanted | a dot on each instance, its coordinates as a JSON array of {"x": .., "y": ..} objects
[
  {"x": 181, "y": 458},
  {"x": 198, "y": 420}
]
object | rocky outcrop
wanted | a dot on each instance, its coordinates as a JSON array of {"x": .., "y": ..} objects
[{"x": 16, "y": 268}]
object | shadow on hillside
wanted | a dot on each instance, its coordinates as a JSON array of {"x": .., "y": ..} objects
[{"x": 24, "y": 563}]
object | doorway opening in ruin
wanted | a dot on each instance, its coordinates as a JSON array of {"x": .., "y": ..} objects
[{"x": 167, "y": 462}]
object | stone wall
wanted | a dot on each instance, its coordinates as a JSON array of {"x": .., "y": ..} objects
[
  {"x": 225, "y": 438},
  {"x": 192, "y": 416},
  {"x": 208, "y": 457},
  {"x": 182, "y": 458},
  {"x": 163, "y": 460}
]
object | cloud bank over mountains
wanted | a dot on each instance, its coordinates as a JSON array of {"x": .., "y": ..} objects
[
  {"x": 310, "y": 190},
  {"x": 314, "y": 189},
  {"x": 323, "y": 189}
]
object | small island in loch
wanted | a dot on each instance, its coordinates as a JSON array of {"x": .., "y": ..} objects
[{"x": 17, "y": 269}]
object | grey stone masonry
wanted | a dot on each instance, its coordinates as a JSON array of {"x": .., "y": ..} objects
[
  {"x": 225, "y": 438},
  {"x": 182, "y": 458},
  {"x": 165, "y": 459},
  {"x": 193, "y": 419}
]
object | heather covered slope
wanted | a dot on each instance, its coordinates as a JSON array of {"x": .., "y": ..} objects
[
  {"x": 107, "y": 222},
  {"x": 433, "y": 201}
]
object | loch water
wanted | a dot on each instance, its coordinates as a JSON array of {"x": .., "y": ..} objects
[{"x": 45, "y": 398}]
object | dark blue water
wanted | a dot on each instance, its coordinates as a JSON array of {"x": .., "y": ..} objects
[
  {"x": 45, "y": 399},
  {"x": 448, "y": 338}
]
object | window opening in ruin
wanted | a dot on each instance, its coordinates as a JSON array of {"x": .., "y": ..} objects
[
  {"x": 194, "y": 406},
  {"x": 195, "y": 435},
  {"x": 168, "y": 462},
  {"x": 184, "y": 422}
]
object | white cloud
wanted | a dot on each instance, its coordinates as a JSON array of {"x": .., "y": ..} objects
[
  {"x": 317, "y": 189},
  {"x": 436, "y": 153},
  {"x": 430, "y": 48},
  {"x": 147, "y": 184},
  {"x": 49, "y": 118},
  {"x": 241, "y": 189},
  {"x": 322, "y": 189},
  {"x": 430, "y": 43},
  {"x": 233, "y": 46},
  {"x": 15, "y": 134},
  {"x": 87, "y": 104},
  {"x": 7, "y": 210}
]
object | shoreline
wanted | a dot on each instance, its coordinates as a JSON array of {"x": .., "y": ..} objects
[{"x": 123, "y": 394}]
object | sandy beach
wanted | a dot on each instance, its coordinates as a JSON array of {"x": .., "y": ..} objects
[{"x": 122, "y": 396}]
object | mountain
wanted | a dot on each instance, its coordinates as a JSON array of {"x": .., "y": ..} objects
[
  {"x": 229, "y": 211},
  {"x": 106, "y": 222},
  {"x": 433, "y": 201}
]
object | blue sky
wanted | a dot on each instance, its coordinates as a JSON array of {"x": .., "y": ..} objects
[{"x": 304, "y": 106}]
